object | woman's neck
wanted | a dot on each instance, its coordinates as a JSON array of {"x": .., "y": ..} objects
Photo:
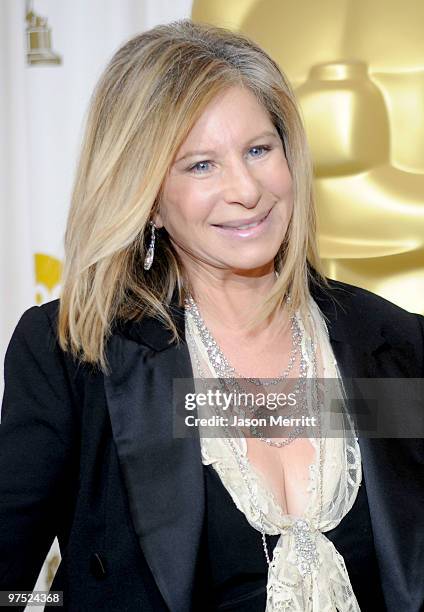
[{"x": 228, "y": 300}]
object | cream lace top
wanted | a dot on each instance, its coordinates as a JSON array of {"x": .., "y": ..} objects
[{"x": 306, "y": 573}]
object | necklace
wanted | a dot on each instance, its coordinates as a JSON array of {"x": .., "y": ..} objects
[
  {"x": 228, "y": 375},
  {"x": 220, "y": 363}
]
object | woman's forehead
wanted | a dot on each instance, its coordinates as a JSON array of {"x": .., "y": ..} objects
[{"x": 233, "y": 114}]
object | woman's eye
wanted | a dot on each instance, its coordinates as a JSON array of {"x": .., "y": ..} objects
[
  {"x": 203, "y": 166},
  {"x": 199, "y": 167},
  {"x": 260, "y": 150}
]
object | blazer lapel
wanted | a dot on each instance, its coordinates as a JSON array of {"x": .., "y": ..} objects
[{"x": 163, "y": 474}]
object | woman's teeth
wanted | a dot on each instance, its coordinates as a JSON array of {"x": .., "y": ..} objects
[
  {"x": 242, "y": 227},
  {"x": 249, "y": 225}
]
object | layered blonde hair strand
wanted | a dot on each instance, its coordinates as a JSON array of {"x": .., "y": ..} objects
[{"x": 146, "y": 101}]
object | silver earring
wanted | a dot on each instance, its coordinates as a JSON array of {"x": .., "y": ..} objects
[{"x": 148, "y": 260}]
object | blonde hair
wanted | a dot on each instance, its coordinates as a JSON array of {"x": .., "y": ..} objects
[{"x": 148, "y": 98}]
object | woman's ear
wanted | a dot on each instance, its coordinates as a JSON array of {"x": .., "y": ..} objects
[
  {"x": 157, "y": 217},
  {"x": 157, "y": 220}
]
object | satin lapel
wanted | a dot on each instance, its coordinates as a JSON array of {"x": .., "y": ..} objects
[
  {"x": 163, "y": 475},
  {"x": 393, "y": 475}
]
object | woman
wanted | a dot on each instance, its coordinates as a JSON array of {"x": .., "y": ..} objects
[{"x": 191, "y": 251}]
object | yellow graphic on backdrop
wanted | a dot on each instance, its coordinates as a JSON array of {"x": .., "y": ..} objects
[
  {"x": 48, "y": 271},
  {"x": 358, "y": 70}
]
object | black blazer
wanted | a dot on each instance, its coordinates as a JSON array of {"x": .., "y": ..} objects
[{"x": 93, "y": 460}]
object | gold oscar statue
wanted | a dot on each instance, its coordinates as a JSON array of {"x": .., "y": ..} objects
[{"x": 358, "y": 71}]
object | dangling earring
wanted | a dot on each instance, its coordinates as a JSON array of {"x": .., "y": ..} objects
[{"x": 148, "y": 260}]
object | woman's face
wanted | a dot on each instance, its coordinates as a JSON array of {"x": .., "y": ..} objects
[{"x": 230, "y": 172}]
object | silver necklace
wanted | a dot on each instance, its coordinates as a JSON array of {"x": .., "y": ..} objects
[
  {"x": 228, "y": 375},
  {"x": 220, "y": 363}
]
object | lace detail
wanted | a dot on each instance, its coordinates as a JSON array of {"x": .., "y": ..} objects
[{"x": 306, "y": 573}]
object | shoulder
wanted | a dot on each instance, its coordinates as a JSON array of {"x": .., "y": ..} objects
[
  {"x": 368, "y": 314},
  {"x": 34, "y": 345},
  {"x": 356, "y": 298},
  {"x": 37, "y": 323},
  {"x": 34, "y": 334},
  {"x": 36, "y": 330}
]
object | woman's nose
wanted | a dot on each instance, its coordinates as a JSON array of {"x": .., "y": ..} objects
[{"x": 241, "y": 185}]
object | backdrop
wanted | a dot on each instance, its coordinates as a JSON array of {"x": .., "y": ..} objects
[{"x": 42, "y": 108}]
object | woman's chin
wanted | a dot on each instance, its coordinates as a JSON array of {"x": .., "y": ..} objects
[
  {"x": 253, "y": 261},
  {"x": 252, "y": 267}
]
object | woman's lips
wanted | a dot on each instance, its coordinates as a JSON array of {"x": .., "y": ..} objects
[{"x": 244, "y": 232}]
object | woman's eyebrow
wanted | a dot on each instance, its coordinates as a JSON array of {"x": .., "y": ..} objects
[{"x": 212, "y": 152}]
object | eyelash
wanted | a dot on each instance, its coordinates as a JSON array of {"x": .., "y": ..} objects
[{"x": 206, "y": 161}]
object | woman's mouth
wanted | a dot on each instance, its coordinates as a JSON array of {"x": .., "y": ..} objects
[{"x": 245, "y": 230}]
